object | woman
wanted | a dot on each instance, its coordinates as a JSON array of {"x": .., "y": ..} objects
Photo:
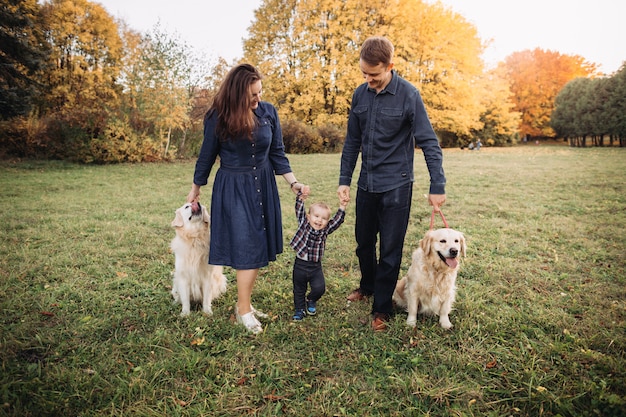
[{"x": 246, "y": 223}]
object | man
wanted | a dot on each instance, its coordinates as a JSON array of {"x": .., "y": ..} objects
[{"x": 387, "y": 119}]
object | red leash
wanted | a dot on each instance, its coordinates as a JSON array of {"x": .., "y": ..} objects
[{"x": 432, "y": 219}]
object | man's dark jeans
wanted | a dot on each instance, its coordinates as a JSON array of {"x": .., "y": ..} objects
[{"x": 385, "y": 216}]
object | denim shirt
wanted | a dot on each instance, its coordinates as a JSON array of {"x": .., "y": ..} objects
[{"x": 385, "y": 127}]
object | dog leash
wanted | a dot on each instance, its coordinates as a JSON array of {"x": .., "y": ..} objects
[{"x": 432, "y": 219}]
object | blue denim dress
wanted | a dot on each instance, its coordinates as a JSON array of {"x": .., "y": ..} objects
[{"x": 246, "y": 222}]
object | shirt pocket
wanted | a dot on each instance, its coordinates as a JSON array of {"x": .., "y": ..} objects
[
  {"x": 263, "y": 134},
  {"x": 360, "y": 112},
  {"x": 390, "y": 121}
]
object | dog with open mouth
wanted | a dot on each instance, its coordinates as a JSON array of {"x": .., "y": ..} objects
[
  {"x": 429, "y": 286},
  {"x": 194, "y": 279}
]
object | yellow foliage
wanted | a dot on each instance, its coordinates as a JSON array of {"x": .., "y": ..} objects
[
  {"x": 308, "y": 51},
  {"x": 536, "y": 78}
]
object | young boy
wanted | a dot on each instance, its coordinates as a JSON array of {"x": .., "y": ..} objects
[{"x": 309, "y": 242}]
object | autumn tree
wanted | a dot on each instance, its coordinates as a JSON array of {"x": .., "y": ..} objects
[
  {"x": 308, "y": 51},
  {"x": 161, "y": 85},
  {"x": 168, "y": 87},
  {"x": 536, "y": 78},
  {"x": 302, "y": 47},
  {"x": 85, "y": 54},
  {"x": 499, "y": 121},
  {"x": 439, "y": 52}
]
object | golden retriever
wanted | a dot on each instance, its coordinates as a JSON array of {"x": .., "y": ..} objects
[
  {"x": 194, "y": 280},
  {"x": 430, "y": 284}
]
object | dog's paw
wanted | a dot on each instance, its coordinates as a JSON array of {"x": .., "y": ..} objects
[
  {"x": 411, "y": 322},
  {"x": 207, "y": 311},
  {"x": 445, "y": 323},
  {"x": 184, "y": 313}
]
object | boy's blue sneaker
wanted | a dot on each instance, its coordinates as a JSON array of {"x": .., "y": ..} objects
[
  {"x": 299, "y": 315},
  {"x": 310, "y": 308}
]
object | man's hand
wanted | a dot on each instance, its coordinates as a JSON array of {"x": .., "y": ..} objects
[
  {"x": 436, "y": 200},
  {"x": 343, "y": 192}
]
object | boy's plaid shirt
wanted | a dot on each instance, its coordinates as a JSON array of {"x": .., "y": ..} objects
[{"x": 309, "y": 243}]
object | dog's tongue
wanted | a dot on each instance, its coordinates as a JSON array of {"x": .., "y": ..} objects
[
  {"x": 195, "y": 207},
  {"x": 452, "y": 262}
]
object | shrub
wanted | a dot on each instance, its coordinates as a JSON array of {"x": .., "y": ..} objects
[
  {"x": 119, "y": 143},
  {"x": 23, "y": 137},
  {"x": 332, "y": 137},
  {"x": 301, "y": 138}
]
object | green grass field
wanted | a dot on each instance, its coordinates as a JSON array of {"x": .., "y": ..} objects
[{"x": 87, "y": 326}]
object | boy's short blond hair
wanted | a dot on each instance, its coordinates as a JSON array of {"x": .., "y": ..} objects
[{"x": 321, "y": 205}]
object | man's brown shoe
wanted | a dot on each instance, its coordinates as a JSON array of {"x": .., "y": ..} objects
[
  {"x": 356, "y": 295},
  {"x": 379, "y": 324}
]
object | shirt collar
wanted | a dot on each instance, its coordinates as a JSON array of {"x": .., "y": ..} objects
[{"x": 392, "y": 87}]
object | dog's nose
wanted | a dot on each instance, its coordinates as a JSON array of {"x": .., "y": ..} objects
[{"x": 454, "y": 252}]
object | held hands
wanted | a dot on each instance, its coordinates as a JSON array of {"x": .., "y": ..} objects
[
  {"x": 304, "y": 189},
  {"x": 343, "y": 192}
]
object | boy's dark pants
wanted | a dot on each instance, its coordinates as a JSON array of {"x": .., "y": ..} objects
[{"x": 307, "y": 273}]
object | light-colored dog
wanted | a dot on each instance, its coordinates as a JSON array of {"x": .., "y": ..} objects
[
  {"x": 194, "y": 279},
  {"x": 430, "y": 284}
]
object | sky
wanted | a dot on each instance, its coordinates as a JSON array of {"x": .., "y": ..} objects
[{"x": 591, "y": 29}]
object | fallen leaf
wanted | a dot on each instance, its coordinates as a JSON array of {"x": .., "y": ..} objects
[
  {"x": 197, "y": 341},
  {"x": 121, "y": 274},
  {"x": 273, "y": 398},
  {"x": 492, "y": 364},
  {"x": 47, "y": 313},
  {"x": 541, "y": 389}
]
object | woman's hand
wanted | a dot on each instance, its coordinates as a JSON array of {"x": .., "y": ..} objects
[
  {"x": 304, "y": 189},
  {"x": 194, "y": 194}
]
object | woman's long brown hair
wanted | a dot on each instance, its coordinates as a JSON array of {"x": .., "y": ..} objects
[{"x": 235, "y": 118}]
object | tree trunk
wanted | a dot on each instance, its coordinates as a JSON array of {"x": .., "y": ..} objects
[
  {"x": 167, "y": 144},
  {"x": 181, "y": 151}
]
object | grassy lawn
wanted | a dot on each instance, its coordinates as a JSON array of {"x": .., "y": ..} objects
[{"x": 87, "y": 327}]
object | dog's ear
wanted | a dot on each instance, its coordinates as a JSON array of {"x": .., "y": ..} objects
[
  {"x": 425, "y": 243},
  {"x": 205, "y": 215},
  {"x": 178, "y": 220},
  {"x": 463, "y": 245}
]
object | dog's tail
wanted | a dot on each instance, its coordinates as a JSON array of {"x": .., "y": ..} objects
[{"x": 399, "y": 297}]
